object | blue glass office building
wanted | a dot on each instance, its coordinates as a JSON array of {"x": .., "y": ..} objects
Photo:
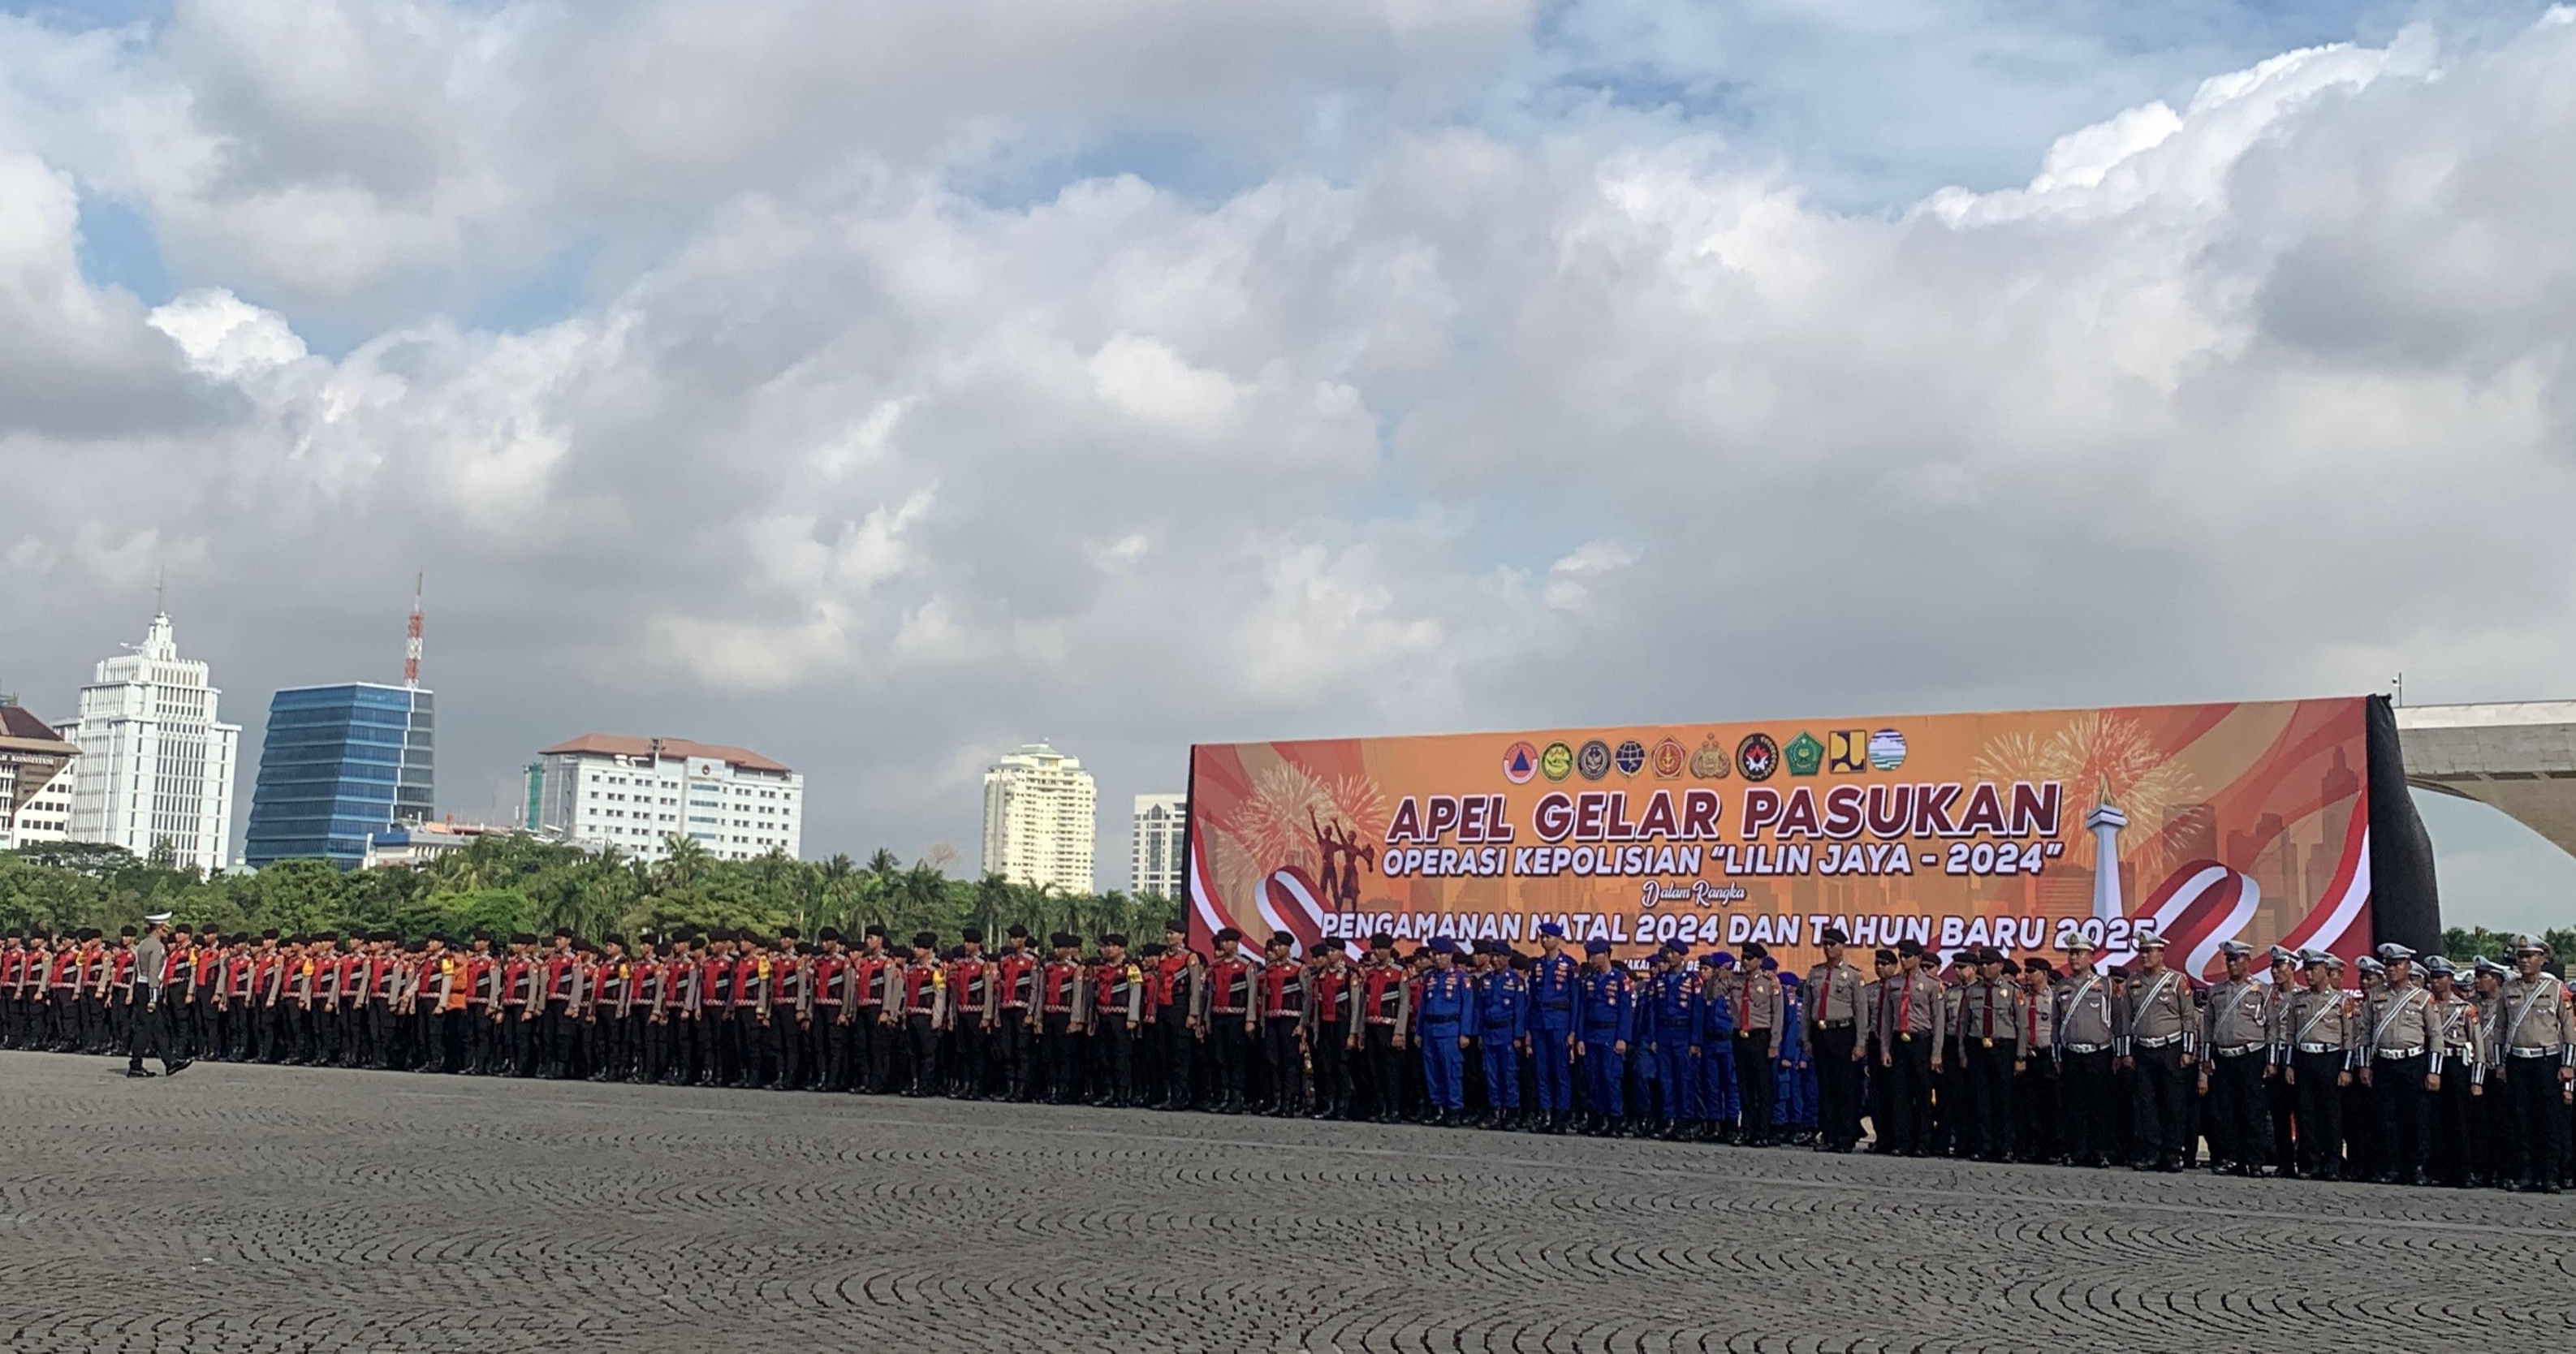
[{"x": 339, "y": 763}]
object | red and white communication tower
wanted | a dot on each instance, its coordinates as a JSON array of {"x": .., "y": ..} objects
[{"x": 411, "y": 642}]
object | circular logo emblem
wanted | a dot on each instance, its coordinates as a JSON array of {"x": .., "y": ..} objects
[
  {"x": 1758, "y": 755},
  {"x": 1670, "y": 759},
  {"x": 1631, "y": 757},
  {"x": 1557, "y": 762},
  {"x": 1709, "y": 763},
  {"x": 1887, "y": 749},
  {"x": 1520, "y": 762},
  {"x": 1594, "y": 760}
]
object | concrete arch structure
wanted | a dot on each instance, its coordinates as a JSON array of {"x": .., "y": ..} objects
[{"x": 2516, "y": 756}]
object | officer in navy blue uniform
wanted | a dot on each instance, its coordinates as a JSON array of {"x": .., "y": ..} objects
[
  {"x": 1502, "y": 1016},
  {"x": 1444, "y": 1019},
  {"x": 1552, "y": 979},
  {"x": 1673, "y": 994},
  {"x": 1605, "y": 1015}
]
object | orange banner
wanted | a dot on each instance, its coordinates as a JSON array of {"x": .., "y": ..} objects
[{"x": 2204, "y": 823}]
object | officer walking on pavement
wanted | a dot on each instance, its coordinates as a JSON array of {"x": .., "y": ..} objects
[{"x": 150, "y": 954}]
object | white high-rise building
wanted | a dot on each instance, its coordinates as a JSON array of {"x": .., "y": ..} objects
[
  {"x": 1039, "y": 818},
  {"x": 1161, "y": 821},
  {"x": 156, "y": 762},
  {"x": 35, "y": 779},
  {"x": 605, "y": 789}
]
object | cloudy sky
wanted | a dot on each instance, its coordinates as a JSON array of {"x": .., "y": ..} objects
[{"x": 879, "y": 385}]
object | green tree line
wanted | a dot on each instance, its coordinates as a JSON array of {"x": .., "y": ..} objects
[
  {"x": 2462, "y": 944},
  {"x": 506, "y": 883}
]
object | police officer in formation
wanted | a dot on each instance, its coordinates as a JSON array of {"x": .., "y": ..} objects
[{"x": 2420, "y": 1074}]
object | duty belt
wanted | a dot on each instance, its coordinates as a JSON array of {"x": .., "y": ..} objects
[
  {"x": 2531, "y": 1052},
  {"x": 2394, "y": 1053},
  {"x": 1834, "y": 1024},
  {"x": 2321, "y": 1048},
  {"x": 2084, "y": 1048},
  {"x": 2239, "y": 1050},
  {"x": 2160, "y": 1041}
]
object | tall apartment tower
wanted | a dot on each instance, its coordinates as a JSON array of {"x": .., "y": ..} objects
[
  {"x": 156, "y": 762},
  {"x": 1155, "y": 854},
  {"x": 1039, "y": 819}
]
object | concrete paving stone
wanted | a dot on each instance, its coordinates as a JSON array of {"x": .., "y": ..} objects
[{"x": 280, "y": 1209}]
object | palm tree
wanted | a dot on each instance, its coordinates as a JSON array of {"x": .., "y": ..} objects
[{"x": 685, "y": 864}]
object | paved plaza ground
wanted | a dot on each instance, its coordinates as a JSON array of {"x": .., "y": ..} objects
[{"x": 257, "y": 1208}]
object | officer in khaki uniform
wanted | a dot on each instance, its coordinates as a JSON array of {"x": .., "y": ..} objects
[
  {"x": 2159, "y": 1040},
  {"x": 2085, "y": 1038},
  {"x": 2280, "y": 1098},
  {"x": 2458, "y": 1071},
  {"x": 2537, "y": 1059},
  {"x": 1835, "y": 1003},
  {"x": 1759, "y": 1019},
  {"x": 2402, "y": 1038},
  {"x": 1990, "y": 1013},
  {"x": 2238, "y": 1037},
  {"x": 2321, "y": 1044}
]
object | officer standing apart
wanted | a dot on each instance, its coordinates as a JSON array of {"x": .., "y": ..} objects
[{"x": 144, "y": 995}]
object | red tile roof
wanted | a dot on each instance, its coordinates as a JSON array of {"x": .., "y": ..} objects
[{"x": 621, "y": 745}]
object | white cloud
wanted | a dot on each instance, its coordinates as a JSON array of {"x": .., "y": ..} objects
[{"x": 2255, "y": 390}]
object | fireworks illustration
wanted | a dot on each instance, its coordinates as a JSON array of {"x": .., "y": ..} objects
[
  {"x": 2105, "y": 756},
  {"x": 1275, "y": 826}
]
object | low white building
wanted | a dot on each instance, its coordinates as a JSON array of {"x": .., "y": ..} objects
[
  {"x": 35, "y": 779},
  {"x": 1039, "y": 819},
  {"x": 420, "y": 843},
  {"x": 1155, "y": 854},
  {"x": 602, "y": 790}
]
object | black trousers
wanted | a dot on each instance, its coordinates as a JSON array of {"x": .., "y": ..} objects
[
  {"x": 1837, "y": 1085},
  {"x": 1063, "y": 1049},
  {"x": 1332, "y": 1077},
  {"x": 1909, "y": 1094},
  {"x": 1230, "y": 1042},
  {"x": 830, "y": 1046},
  {"x": 518, "y": 1042},
  {"x": 2235, "y": 1117},
  {"x": 923, "y": 1038},
  {"x": 969, "y": 1044},
  {"x": 1117, "y": 1054},
  {"x": 2320, "y": 1113},
  {"x": 2450, "y": 1154},
  {"x": 2036, "y": 1109},
  {"x": 1756, "y": 1080},
  {"x": 2281, "y": 1101},
  {"x": 1990, "y": 1086},
  {"x": 380, "y": 1031},
  {"x": 885, "y": 1038},
  {"x": 1014, "y": 1043},
  {"x": 1287, "y": 1062},
  {"x": 751, "y": 1047},
  {"x": 1172, "y": 1034},
  {"x": 1385, "y": 1073},
  {"x": 2539, "y": 1116},
  {"x": 147, "y": 1043},
  {"x": 2084, "y": 1087},
  {"x": 2156, "y": 1097},
  {"x": 2405, "y": 1114}
]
